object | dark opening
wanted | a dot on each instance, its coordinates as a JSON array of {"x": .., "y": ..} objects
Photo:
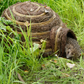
[{"x": 69, "y": 34}]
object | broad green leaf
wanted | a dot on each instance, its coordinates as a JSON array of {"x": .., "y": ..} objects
[
  {"x": 33, "y": 49},
  {"x": 2, "y": 26}
]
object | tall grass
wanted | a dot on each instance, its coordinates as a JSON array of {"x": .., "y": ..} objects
[
  {"x": 22, "y": 59},
  {"x": 15, "y": 54}
]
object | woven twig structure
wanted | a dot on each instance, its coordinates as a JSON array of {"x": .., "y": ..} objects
[{"x": 45, "y": 24}]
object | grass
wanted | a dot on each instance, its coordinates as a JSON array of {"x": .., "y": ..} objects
[{"x": 23, "y": 59}]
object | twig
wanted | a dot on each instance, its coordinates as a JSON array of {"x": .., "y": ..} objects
[{"x": 20, "y": 78}]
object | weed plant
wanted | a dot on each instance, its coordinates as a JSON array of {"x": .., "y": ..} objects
[{"x": 22, "y": 57}]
